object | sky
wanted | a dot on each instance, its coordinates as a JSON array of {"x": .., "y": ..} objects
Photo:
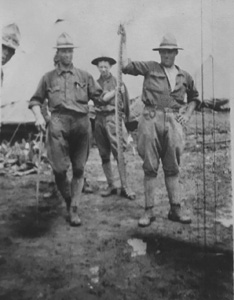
[{"x": 93, "y": 25}]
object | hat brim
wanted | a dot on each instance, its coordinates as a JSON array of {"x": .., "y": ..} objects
[
  {"x": 65, "y": 47},
  {"x": 9, "y": 45},
  {"x": 167, "y": 47},
  {"x": 95, "y": 62}
]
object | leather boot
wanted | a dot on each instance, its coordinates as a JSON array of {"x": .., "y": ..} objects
[
  {"x": 76, "y": 189},
  {"x": 175, "y": 215},
  {"x": 111, "y": 189},
  {"x": 63, "y": 185},
  {"x": 150, "y": 192},
  {"x": 173, "y": 188},
  {"x": 87, "y": 189},
  {"x": 68, "y": 206},
  {"x": 52, "y": 193}
]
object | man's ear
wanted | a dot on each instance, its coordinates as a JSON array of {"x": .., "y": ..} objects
[{"x": 177, "y": 51}]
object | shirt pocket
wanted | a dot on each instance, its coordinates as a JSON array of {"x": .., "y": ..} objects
[
  {"x": 156, "y": 82},
  {"x": 53, "y": 93},
  {"x": 80, "y": 92}
]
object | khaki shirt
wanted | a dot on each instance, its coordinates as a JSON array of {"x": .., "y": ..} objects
[
  {"x": 156, "y": 87},
  {"x": 109, "y": 84},
  {"x": 70, "y": 89}
]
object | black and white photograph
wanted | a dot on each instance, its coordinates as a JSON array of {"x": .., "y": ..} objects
[{"x": 116, "y": 138}]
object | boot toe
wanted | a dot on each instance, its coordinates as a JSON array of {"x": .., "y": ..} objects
[
  {"x": 74, "y": 217},
  {"x": 87, "y": 189},
  {"x": 146, "y": 221},
  {"x": 75, "y": 222},
  {"x": 179, "y": 218},
  {"x": 109, "y": 191},
  {"x": 127, "y": 193}
]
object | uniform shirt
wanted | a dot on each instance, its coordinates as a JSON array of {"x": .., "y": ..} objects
[
  {"x": 108, "y": 84},
  {"x": 70, "y": 89},
  {"x": 171, "y": 75},
  {"x": 156, "y": 87}
]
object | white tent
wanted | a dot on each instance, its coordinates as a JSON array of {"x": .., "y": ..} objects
[{"x": 93, "y": 26}]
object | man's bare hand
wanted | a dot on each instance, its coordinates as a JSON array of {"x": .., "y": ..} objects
[
  {"x": 183, "y": 119},
  {"x": 108, "y": 96},
  {"x": 122, "y": 89},
  {"x": 40, "y": 124}
]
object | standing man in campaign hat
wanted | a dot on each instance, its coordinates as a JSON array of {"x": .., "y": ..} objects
[
  {"x": 10, "y": 42},
  {"x": 161, "y": 127},
  {"x": 105, "y": 124},
  {"x": 68, "y": 91}
]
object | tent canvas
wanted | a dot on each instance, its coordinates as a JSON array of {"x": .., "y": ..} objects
[{"x": 16, "y": 113}]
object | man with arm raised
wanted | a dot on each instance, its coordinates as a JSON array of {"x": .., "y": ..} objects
[{"x": 161, "y": 127}]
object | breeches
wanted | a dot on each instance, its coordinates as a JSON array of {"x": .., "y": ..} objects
[
  {"x": 68, "y": 142},
  {"x": 106, "y": 136},
  {"x": 160, "y": 137}
]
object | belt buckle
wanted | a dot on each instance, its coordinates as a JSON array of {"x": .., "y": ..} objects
[
  {"x": 152, "y": 114},
  {"x": 146, "y": 113}
]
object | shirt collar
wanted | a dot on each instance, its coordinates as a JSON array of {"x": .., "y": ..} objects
[
  {"x": 180, "y": 73},
  {"x": 60, "y": 69},
  {"x": 105, "y": 79}
]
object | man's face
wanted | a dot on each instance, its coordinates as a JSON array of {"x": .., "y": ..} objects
[
  {"x": 65, "y": 56},
  {"x": 104, "y": 68},
  {"x": 168, "y": 57},
  {"x": 7, "y": 54}
]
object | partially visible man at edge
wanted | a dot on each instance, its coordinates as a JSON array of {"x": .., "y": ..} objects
[
  {"x": 161, "y": 127},
  {"x": 10, "y": 42},
  {"x": 68, "y": 91}
]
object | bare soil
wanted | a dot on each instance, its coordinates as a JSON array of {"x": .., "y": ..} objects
[{"x": 109, "y": 256}]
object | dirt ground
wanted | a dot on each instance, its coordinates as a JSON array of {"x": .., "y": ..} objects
[{"x": 109, "y": 256}]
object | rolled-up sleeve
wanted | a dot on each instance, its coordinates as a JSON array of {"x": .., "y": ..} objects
[
  {"x": 136, "y": 68},
  {"x": 40, "y": 95},
  {"x": 95, "y": 92}
]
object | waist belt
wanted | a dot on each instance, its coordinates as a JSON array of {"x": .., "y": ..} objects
[
  {"x": 162, "y": 108},
  {"x": 105, "y": 113},
  {"x": 66, "y": 112}
]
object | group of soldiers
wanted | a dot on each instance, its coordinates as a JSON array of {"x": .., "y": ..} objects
[{"x": 169, "y": 96}]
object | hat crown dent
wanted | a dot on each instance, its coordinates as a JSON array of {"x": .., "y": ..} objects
[
  {"x": 168, "y": 40},
  {"x": 65, "y": 41},
  {"x": 11, "y": 36}
]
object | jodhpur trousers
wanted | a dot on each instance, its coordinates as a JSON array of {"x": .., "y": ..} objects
[
  {"x": 106, "y": 136},
  {"x": 160, "y": 137},
  {"x": 68, "y": 139}
]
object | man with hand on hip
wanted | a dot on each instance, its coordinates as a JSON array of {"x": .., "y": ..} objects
[{"x": 161, "y": 127}]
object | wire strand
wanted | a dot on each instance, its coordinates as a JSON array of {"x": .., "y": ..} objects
[
  {"x": 214, "y": 123},
  {"x": 203, "y": 132}
]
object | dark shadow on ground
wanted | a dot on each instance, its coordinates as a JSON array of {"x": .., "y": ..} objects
[
  {"x": 32, "y": 221},
  {"x": 207, "y": 271}
]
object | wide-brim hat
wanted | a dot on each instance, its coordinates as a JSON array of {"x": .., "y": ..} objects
[
  {"x": 168, "y": 42},
  {"x": 11, "y": 36},
  {"x": 111, "y": 60},
  {"x": 64, "y": 41}
]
